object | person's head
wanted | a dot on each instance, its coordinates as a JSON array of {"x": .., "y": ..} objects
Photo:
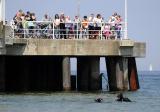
[
  {"x": 28, "y": 12},
  {"x": 33, "y": 14},
  {"x": 56, "y": 16},
  {"x": 62, "y": 16},
  {"x": 20, "y": 10},
  {"x": 76, "y": 17},
  {"x": 120, "y": 96},
  {"x": 85, "y": 17},
  {"x": 115, "y": 14},
  {"x": 46, "y": 16},
  {"x": 67, "y": 17},
  {"x": 98, "y": 16},
  {"x": 27, "y": 17}
]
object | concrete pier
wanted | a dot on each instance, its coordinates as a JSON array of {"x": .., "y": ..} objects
[
  {"x": 66, "y": 74},
  {"x": 88, "y": 74},
  {"x": 44, "y": 64}
]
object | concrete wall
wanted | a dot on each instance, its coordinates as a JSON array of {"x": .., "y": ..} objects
[{"x": 77, "y": 47}]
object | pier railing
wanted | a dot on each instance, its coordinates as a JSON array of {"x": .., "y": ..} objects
[{"x": 67, "y": 30}]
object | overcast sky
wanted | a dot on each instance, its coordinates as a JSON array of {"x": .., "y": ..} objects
[{"x": 143, "y": 19}]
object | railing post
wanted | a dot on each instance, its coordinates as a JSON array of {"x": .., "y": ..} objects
[
  {"x": 13, "y": 31},
  {"x": 101, "y": 32},
  {"x": 53, "y": 31},
  {"x": 24, "y": 30},
  {"x": 77, "y": 30}
]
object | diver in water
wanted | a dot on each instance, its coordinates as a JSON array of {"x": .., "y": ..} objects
[
  {"x": 98, "y": 100},
  {"x": 122, "y": 99}
]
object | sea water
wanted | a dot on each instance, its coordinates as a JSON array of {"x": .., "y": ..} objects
[{"x": 146, "y": 99}]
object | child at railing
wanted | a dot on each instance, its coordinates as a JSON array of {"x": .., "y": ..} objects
[{"x": 106, "y": 31}]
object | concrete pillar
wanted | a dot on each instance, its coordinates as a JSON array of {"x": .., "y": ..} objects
[
  {"x": 66, "y": 74},
  {"x": 117, "y": 70},
  {"x": 2, "y": 39},
  {"x": 82, "y": 73},
  {"x": 133, "y": 75},
  {"x": 94, "y": 75},
  {"x": 2, "y": 11},
  {"x": 2, "y": 73},
  {"x": 125, "y": 73},
  {"x": 88, "y": 74}
]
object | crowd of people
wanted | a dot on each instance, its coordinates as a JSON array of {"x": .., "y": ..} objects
[{"x": 62, "y": 27}]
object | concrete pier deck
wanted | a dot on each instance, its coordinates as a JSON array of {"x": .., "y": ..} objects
[{"x": 66, "y": 47}]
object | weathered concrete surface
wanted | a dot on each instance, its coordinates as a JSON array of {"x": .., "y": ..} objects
[
  {"x": 88, "y": 74},
  {"x": 117, "y": 69},
  {"x": 133, "y": 74},
  {"x": 2, "y": 39},
  {"x": 77, "y": 47},
  {"x": 66, "y": 74}
]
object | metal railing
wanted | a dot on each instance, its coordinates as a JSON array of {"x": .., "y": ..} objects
[{"x": 71, "y": 30}]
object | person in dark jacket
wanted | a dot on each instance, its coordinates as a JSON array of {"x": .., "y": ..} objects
[
  {"x": 122, "y": 99},
  {"x": 98, "y": 100}
]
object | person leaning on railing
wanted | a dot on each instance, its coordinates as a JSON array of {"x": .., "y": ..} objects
[
  {"x": 91, "y": 27},
  {"x": 85, "y": 26},
  {"x": 98, "y": 26},
  {"x": 62, "y": 26},
  {"x": 56, "y": 26},
  {"x": 77, "y": 26},
  {"x": 68, "y": 26}
]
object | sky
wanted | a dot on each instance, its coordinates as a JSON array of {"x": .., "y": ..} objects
[{"x": 143, "y": 19}]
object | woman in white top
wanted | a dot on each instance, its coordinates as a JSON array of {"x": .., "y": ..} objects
[{"x": 98, "y": 25}]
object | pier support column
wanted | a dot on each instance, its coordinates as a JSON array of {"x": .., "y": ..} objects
[
  {"x": 94, "y": 75},
  {"x": 2, "y": 73},
  {"x": 88, "y": 71},
  {"x": 117, "y": 69},
  {"x": 66, "y": 74},
  {"x": 133, "y": 75}
]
